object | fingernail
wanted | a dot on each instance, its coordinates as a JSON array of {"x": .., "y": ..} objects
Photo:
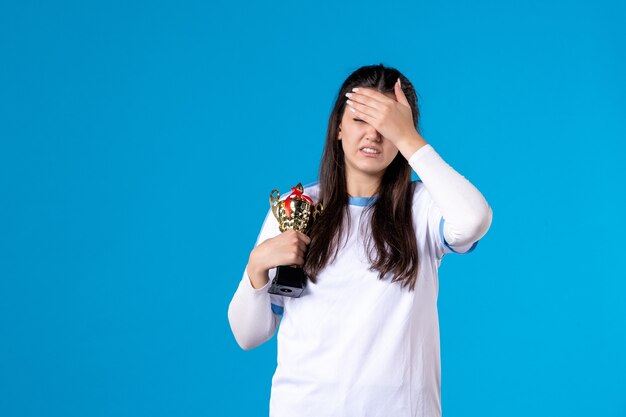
[{"x": 399, "y": 83}]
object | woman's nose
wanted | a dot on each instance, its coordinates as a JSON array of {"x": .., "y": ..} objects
[{"x": 374, "y": 136}]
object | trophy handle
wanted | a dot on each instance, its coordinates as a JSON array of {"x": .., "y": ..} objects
[
  {"x": 274, "y": 198},
  {"x": 317, "y": 210}
]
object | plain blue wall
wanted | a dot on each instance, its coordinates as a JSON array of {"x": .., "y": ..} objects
[{"x": 140, "y": 141}]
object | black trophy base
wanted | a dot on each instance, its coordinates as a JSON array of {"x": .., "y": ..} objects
[{"x": 289, "y": 282}]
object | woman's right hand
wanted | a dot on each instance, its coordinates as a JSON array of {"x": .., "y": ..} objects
[{"x": 288, "y": 248}]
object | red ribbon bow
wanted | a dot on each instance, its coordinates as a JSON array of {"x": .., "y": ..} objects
[{"x": 295, "y": 193}]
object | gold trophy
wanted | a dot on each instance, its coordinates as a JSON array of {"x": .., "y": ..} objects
[{"x": 296, "y": 212}]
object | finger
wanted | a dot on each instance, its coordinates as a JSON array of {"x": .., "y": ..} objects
[
  {"x": 291, "y": 256},
  {"x": 365, "y": 117},
  {"x": 304, "y": 238},
  {"x": 400, "y": 94},
  {"x": 370, "y": 111},
  {"x": 302, "y": 247},
  {"x": 297, "y": 254},
  {"x": 299, "y": 246},
  {"x": 360, "y": 99},
  {"x": 299, "y": 260},
  {"x": 371, "y": 97}
]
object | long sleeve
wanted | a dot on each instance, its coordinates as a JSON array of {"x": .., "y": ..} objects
[
  {"x": 467, "y": 214},
  {"x": 253, "y": 313},
  {"x": 250, "y": 315}
]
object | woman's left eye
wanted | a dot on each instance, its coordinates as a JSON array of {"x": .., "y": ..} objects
[{"x": 357, "y": 120}]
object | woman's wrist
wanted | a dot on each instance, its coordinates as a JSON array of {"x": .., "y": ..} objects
[
  {"x": 411, "y": 144},
  {"x": 258, "y": 275}
]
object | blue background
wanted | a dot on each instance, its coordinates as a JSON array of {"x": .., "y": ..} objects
[{"x": 140, "y": 141}]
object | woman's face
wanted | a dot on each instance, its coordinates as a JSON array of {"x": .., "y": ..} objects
[{"x": 366, "y": 151}]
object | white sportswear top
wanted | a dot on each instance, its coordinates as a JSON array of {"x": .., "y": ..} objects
[{"x": 354, "y": 345}]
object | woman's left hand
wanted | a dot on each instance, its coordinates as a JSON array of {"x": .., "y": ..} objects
[{"x": 391, "y": 118}]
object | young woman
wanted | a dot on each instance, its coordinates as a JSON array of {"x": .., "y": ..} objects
[{"x": 363, "y": 338}]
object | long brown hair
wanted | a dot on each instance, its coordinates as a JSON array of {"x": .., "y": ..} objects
[{"x": 392, "y": 229}]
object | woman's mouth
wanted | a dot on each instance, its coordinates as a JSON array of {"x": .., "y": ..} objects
[{"x": 370, "y": 152}]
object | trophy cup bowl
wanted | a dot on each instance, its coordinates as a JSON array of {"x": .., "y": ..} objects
[{"x": 296, "y": 212}]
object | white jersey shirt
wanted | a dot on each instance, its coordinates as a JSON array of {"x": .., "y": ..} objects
[{"x": 353, "y": 344}]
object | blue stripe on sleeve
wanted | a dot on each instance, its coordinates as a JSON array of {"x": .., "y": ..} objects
[
  {"x": 443, "y": 240},
  {"x": 276, "y": 309}
]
